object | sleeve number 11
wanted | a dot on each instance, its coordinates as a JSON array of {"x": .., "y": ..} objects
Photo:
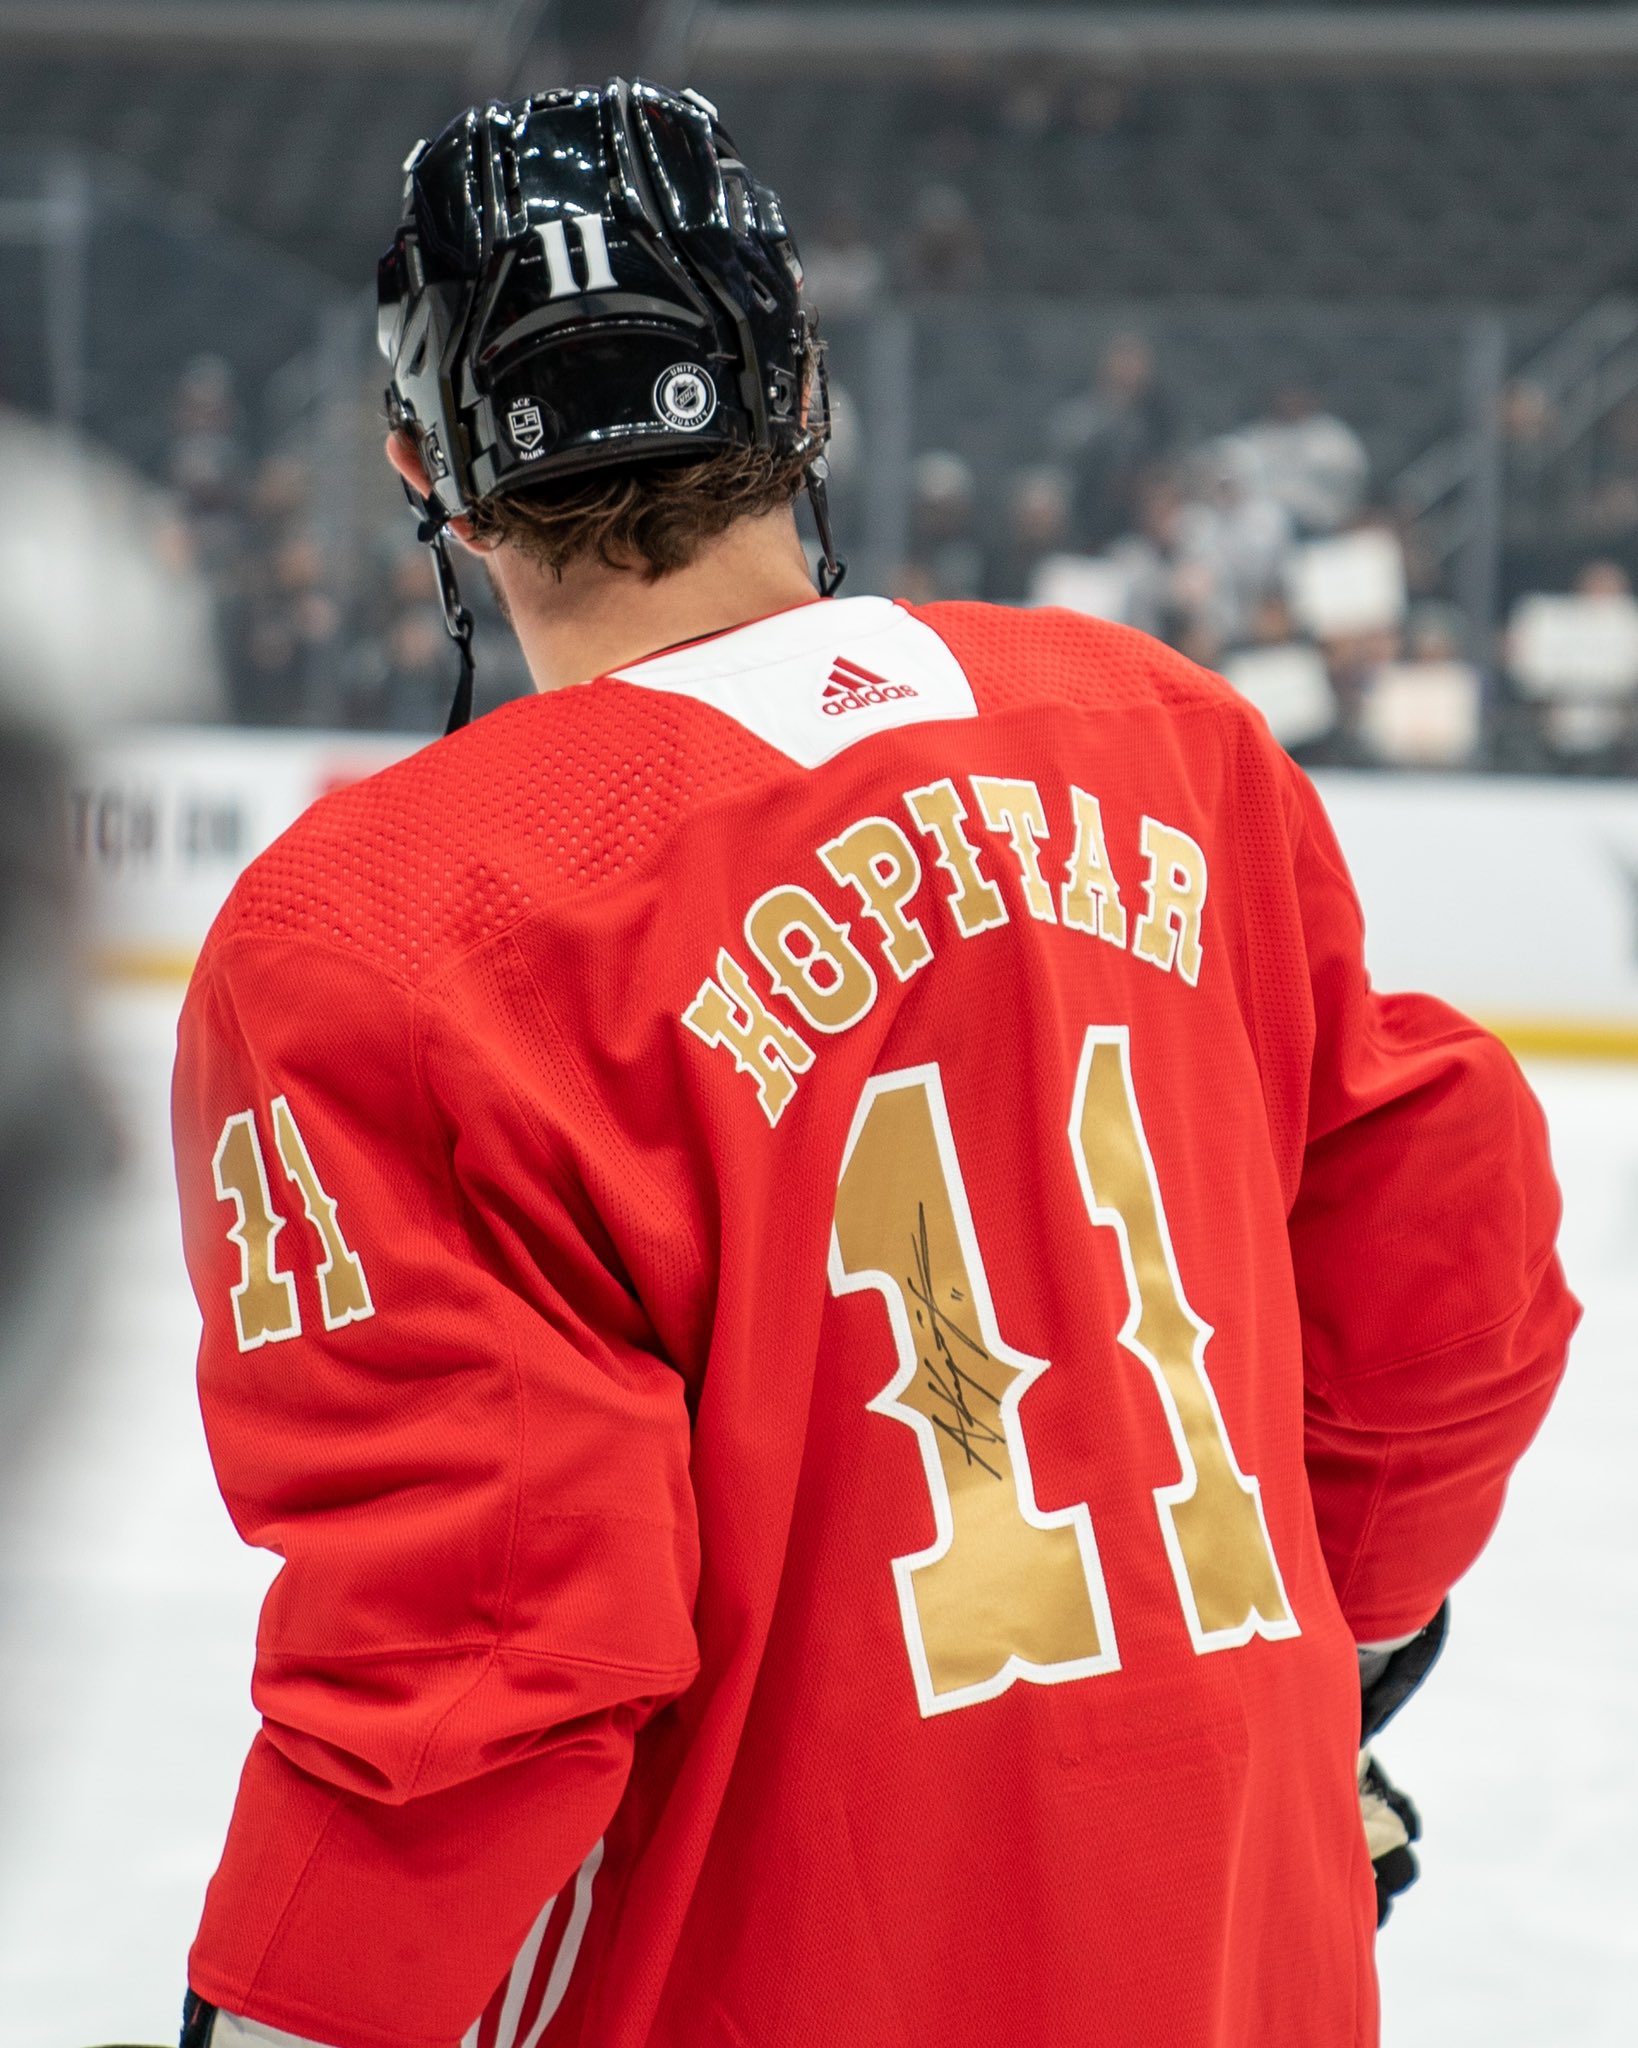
[
  {"x": 265, "y": 1306},
  {"x": 1007, "y": 1590}
]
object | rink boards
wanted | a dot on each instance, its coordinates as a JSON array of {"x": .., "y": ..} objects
[{"x": 1514, "y": 898}]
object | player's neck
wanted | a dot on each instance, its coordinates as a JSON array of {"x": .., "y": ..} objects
[{"x": 597, "y": 619}]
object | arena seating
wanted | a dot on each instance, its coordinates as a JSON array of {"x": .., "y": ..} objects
[{"x": 1420, "y": 192}]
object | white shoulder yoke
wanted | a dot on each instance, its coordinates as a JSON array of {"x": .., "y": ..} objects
[{"x": 813, "y": 680}]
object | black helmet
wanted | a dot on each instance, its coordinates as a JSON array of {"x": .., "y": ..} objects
[{"x": 587, "y": 277}]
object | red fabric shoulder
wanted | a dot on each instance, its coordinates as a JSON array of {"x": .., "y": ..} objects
[
  {"x": 1016, "y": 656},
  {"x": 544, "y": 798}
]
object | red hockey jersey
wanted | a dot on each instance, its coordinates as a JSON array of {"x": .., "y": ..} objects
[{"x": 841, "y": 1303}]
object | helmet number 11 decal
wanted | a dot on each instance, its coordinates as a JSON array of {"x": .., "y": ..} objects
[
  {"x": 594, "y": 255},
  {"x": 1008, "y": 1590}
]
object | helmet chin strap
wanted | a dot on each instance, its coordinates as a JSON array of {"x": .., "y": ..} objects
[
  {"x": 434, "y": 531},
  {"x": 458, "y": 625},
  {"x": 832, "y": 568}
]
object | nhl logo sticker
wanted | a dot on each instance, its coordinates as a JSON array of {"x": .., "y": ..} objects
[
  {"x": 685, "y": 397},
  {"x": 527, "y": 427}
]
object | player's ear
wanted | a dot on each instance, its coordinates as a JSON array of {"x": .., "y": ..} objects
[{"x": 405, "y": 457}]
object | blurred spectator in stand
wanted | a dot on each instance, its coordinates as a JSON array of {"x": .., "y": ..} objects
[
  {"x": 1038, "y": 527},
  {"x": 1436, "y": 633},
  {"x": 206, "y": 465},
  {"x": 946, "y": 559},
  {"x": 1312, "y": 464},
  {"x": 1030, "y": 105},
  {"x": 1284, "y": 674},
  {"x": 1543, "y": 539},
  {"x": 1232, "y": 540},
  {"x": 1109, "y": 437},
  {"x": 1347, "y": 591},
  {"x": 1425, "y": 709},
  {"x": 289, "y": 654},
  {"x": 1533, "y": 505},
  {"x": 1353, "y": 661},
  {"x": 418, "y": 688},
  {"x": 946, "y": 252},
  {"x": 1603, "y": 579},
  {"x": 1098, "y": 107},
  {"x": 1609, "y": 511},
  {"x": 1271, "y": 624},
  {"x": 405, "y": 673},
  {"x": 275, "y": 504},
  {"x": 1424, "y": 571},
  {"x": 294, "y": 642},
  {"x": 1574, "y": 661},
  {"x": 279, "y": 501},
  {"x": 1148, "y": 557},
  {"x": 843, "y": 270}
]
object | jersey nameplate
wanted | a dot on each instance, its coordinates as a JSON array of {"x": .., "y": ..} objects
[
  {"x": 815, "y": 965},
  {"x": 814, "y": 680}
]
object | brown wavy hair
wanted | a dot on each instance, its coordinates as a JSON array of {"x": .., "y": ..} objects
[{"x": 652, "y": 517}]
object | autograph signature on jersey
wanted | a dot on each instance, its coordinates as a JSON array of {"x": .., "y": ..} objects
[{"x": 948, "y": 1380}]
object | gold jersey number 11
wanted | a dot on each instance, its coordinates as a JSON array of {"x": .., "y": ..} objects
[
  {"x": 1006, "y": 1589},
  {"x": 265, "y": 1306}
]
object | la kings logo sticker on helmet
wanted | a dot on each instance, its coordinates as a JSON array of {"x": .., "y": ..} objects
[
  {"x": 685, "y": 397},
  {"x": 526, "y": 425}
]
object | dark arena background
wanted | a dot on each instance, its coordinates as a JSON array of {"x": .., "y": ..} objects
[{"x": 1303, "y": 336}]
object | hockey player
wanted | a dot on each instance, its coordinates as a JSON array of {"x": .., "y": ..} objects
[{"x": 814, "y": 1250}]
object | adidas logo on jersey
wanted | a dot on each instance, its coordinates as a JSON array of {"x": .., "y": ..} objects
[{"x": 852, "y": 688}]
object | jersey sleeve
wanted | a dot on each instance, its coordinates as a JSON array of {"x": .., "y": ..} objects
[
  {"x": 431, "y": 1392},
  {"x": 1435, "y": 1313}
]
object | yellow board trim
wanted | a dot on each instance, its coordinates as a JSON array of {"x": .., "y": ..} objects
[
  {"x": 1566, "y": 1038},
  {"x": 171, "y": 966},
  {"x": 1555, "y": 1038}
]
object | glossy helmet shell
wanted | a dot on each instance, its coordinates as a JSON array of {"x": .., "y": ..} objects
[{"x": 590, "y": 277}]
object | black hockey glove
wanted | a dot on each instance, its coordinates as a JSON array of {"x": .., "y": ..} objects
[
  {"x": 198, "y": 2021},
  {"x": 203, "y": 2026},
  {"x": 1387, "y": 1678},
  {"x": 1391, "y": 1825}
]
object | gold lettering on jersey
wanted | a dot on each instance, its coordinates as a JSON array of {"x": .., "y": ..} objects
[
  {"x": 1212, "y": 1518},
  {"x": 811, "y": 958},
  {"x": 1175, "y": 892},
  {"x": 877, "y": 861},
  {"x": 343, "y": 1290},
  {"x": 975, "y": 903},
  {"x": 1091, "y": 895},
  {"x": 265, "y": 1309},
  {"x": 1005, "y": 1590},
  {"x": 1016, "y": 809},
  {"x": 830, "y": 978},
  {"x": 730, "y": 1013}
]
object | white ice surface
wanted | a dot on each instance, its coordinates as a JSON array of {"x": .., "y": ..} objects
[{"x": 127, "y": 1610}]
